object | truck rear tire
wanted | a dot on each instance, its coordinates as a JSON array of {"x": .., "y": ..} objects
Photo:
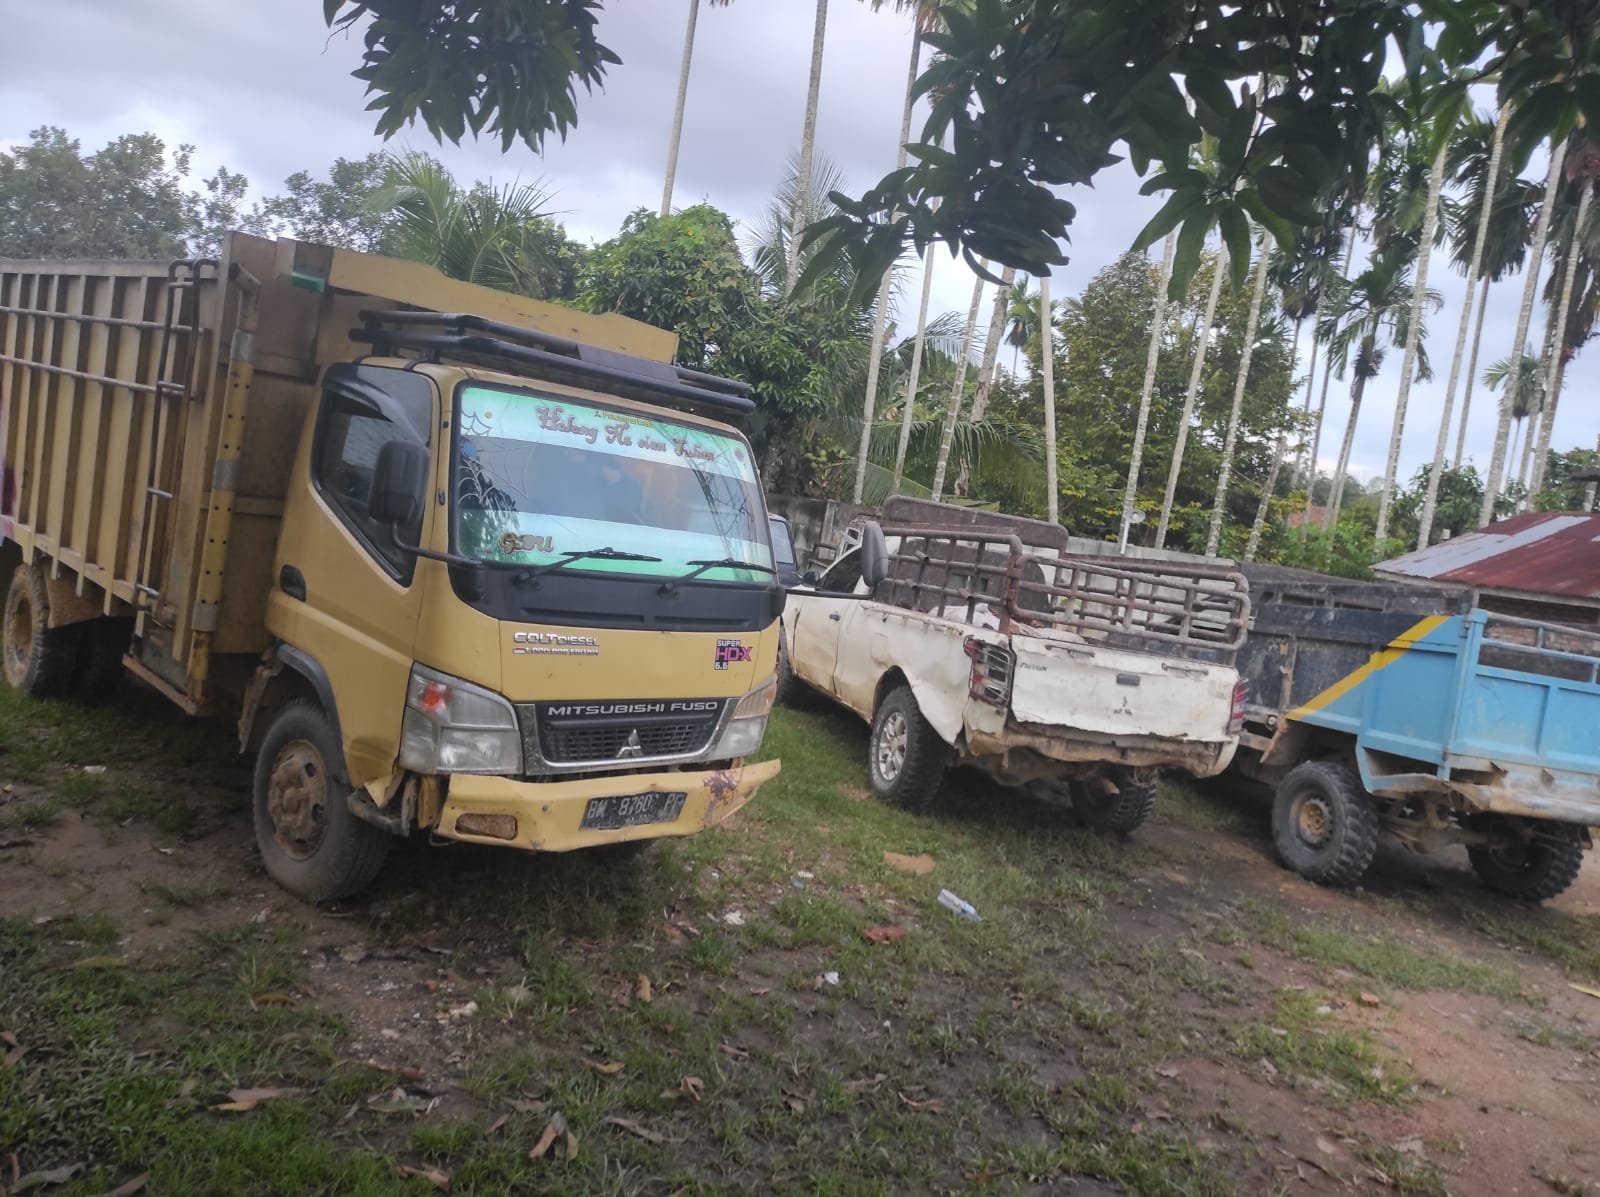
[
  {"x": 39, "y": 660},
  {"x": 311, "y": 842},
  {"x": 906, "y": 759},
  {"x": 1531, "y": 870},
  {"x": 1324, "y": 824},
  {"x": 1126, "y": 810}
]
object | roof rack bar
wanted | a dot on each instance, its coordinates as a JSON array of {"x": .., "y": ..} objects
[
  {"x": 465, "y": 321},
  {"x": 558, "y": 368}
]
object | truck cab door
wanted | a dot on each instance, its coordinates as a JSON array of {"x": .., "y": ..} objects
[
  {"x": 814, "y": 645},
  {"x": 346, "y": 593}
]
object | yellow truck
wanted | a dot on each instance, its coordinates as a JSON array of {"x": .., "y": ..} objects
[{"x": 460, "y": 563}]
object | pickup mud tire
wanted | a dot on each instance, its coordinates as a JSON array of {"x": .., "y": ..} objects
[
  {"x": 311, "y": 842},
  {"x": 1324, "y": 824},
  {"x": 906, "y": 759},
  {"x": 39, "y": 660},
  {"x": 1123, "y": 812},
  {"x": 1532, "y": 870}
]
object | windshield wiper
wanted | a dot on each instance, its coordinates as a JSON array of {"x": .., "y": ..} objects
[
  {"x": 722, "y": 563},
  {"x": 606, "y": 554}
]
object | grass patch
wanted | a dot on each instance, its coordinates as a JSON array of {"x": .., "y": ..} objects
[{"x": 1310, "y": 1051}]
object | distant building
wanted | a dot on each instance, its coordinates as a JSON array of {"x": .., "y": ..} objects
[{"x": 1542, "y": 565}]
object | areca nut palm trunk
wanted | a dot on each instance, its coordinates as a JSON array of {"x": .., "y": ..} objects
[
  {"x": 880, "y": 309},
  {"x": 1541, "y": 230},
  {"x": 677, "y": 112},
  {"x": 1472, "y": 372},
  {"x": 1408, "y": 359},
  {"x": 1202, "y": 344},
  {"x": 1322, "y": 397},
  {"x": 953, "y": 408},
  {"x": 988, "y": 370},
  {"x": 1047, "y": 344},
  {"x": 1552, "y": 388},
  {"x": 1260, "y": 523},
  {"x": 1358, "y": 388},
  {"x": 1231, "y": 440},
  {"x": 1152, "y": 358},
  {"x": 916, "y": 371},
  {"x": 1311, "y": 383},
  {"x": 808, "y": 145}
]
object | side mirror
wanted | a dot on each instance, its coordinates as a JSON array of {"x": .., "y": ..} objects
[
  {"x": 810, "y": 578},
  {"x": 399, "y": 483},
  {"x": 874, "y": 555}
]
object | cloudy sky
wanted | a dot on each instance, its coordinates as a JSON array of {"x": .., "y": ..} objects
[{"x": 258, "y": 85}]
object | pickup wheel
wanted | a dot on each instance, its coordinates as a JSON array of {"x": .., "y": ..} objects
[
  {"x": 1532, "y": 867},
  {"x": 906, "y": 759},
  {"x": 311, "y": 842},
  {"x": 1324, "y": 824},
  {"x": 1124, "y": 811},
  {"x": 39, "y": 660}
]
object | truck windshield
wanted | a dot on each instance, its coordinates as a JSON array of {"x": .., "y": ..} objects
[{"x": 540, "y": 477}]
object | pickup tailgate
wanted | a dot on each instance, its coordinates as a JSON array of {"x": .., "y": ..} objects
[{"x": 1118, "y": 693}]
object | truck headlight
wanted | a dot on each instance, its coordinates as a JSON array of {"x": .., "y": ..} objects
[
  {"x": 742, "y": 735},
  {"x": 452, "y": 726}
]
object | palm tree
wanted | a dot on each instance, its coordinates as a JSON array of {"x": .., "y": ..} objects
[
  {"x": 1230, "y": 441},
  {"x": 485, "y": 235},
  {"x": 1408, "y": 360},
  {"x": 1583, "y": 165},
  {"x": 1022, "y": 320},
  {"x": 808, "y": 141},
  {"x": 1158, "y": 321},
  {"x": 1373, "y": 308},
  {"x": 1047, "y": 322},
  {"x": 683, "y": 96},
  {"x": 916, "y": 368},
  {"x": 926, "y": 12},
  {"x": 990, "y": 367},
  {"x": 1524, "y": 389},
  {"x": 1541, "y": 229},
  {"x": 1480, "y": 237},
  {"x": 1202, "y": 340},
  {"x": 958, "y": 388}
]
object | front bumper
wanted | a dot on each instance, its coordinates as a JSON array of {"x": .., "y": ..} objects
[{"x": 549, "y": 815}]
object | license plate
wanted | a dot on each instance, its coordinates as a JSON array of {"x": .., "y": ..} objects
[{"x": 633, "y": 810}]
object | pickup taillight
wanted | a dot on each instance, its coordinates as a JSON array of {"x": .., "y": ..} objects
[
  {"x": 1241, "y": 692},
  {"x": 992, "y": 667}
]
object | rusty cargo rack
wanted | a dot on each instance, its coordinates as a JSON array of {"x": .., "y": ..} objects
[{"x": 1172, "y": 608}]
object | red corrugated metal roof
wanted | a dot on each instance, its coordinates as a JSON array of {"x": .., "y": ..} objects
[{"x": 1542, "y": 552}]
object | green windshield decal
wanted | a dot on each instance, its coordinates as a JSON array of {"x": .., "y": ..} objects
[{"x": 540, "y": 479}]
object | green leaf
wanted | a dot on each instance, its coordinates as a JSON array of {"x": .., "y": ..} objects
[
  {"x": 1186, "y": 257},
  {"x": 1235, "y": 227},
  {"x": 1172, "y": 212}
]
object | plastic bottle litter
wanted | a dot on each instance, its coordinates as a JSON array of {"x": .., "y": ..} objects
[{"x": 959, "y": 906}]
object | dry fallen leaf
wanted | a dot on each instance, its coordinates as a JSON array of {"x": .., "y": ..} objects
[
  {"x": 1584, "y": 989},
  {"x": 732, "y": 1052},
  {"x": 673, "y": 935},
  {"x": 865, "y": 1084},
  {"x": 242, "y": 1101},
  {"x": 644, "y": 992},
  {"x": 129, "y": 1187},
  {"x": 436, "y": 1178},
  {"x": 497, "y": 1125},
  {"x": 404, "y": 1072},
  {"x": 273, "y": 999},
  {"x": 91, "y": 962},
  {"x": 14, "y": 1050},
  {"x": 920, "y": 865},
  {"x": 605, "y": 1067},
  {"x": 690, "y": 1087},
  {"x": 796, "y": 1104},
  {"x": 553, "y": 1130},
  {"x": 1371, "y": 1000},
  {"x": 45, "y": 1178},
  {"x": 634, "y": 1128},
  {"x": 760, "y": 990},
  {"x": 1169, "y": 1072},
  {"x": 888, "y": 933},
  {"x": 933, "y": 1105},
  {"x": 529, "y": 1107}
]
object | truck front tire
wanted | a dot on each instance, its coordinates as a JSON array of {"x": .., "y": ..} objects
[
  {"x": 39, "y": 660},
  {"x": 1532, "y": 869},
  {"x": 906, "y": 759},
  {"x": 1324, "y": 824},
  {"x": 311, "y": 842}
]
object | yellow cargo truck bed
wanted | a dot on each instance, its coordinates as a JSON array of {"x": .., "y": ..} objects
[{"x": 150, "y": 412}]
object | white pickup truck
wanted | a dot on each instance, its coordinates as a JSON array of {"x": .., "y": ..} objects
[{"x": 986, "y": 644}]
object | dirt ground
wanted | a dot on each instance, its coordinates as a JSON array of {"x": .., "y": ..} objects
[{"x": 1471, "y": 1000}]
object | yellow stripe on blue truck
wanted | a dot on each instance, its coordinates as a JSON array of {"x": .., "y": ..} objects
[{"x": 1379, "y": 660}]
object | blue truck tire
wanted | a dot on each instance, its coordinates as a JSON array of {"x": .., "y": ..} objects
[{"x": 1324, "y": 824}]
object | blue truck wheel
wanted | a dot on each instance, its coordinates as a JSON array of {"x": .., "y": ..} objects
[
  {"x": 1532, "y": 863},
  {"x": 1324, "y": 824}
]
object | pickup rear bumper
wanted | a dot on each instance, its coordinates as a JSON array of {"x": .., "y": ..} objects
[
  {"x": 548, "y": 816},
  {"x": 1059, "y": 746}
]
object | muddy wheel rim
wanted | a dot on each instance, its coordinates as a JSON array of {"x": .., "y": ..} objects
[
  {"x": 297, "y": 799},
  {"x": 891, "y": 751},
  {"x": 1313, "y": 820},
  {"x": 19, "y": 641}
]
